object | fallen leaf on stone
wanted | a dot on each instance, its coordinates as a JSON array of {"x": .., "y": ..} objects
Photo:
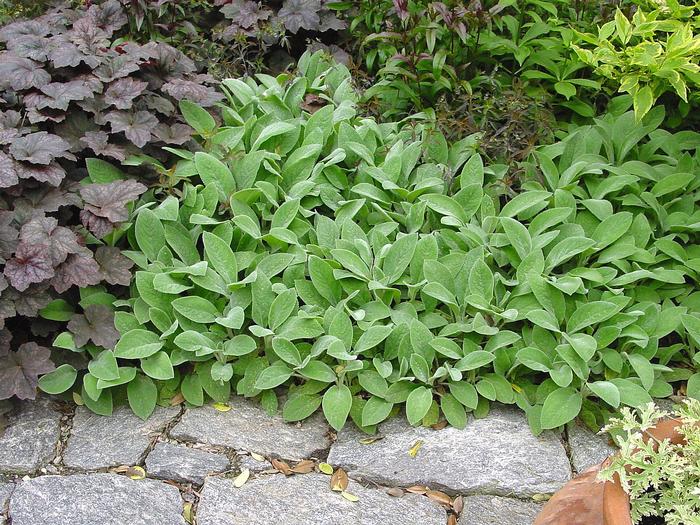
[
  {"x": 440, "y": 425},
  {"x": 413, "y": 452},
  {"x": 221, "y": 407},
  {"x": 121, "y": 469},
  {"x": 282, "y": 467},
  {"x": 458, "y": 505},
  {"x": 452, "y": 519},
  {"x": 325, "y": 468},
  {"x": 77, "y": 399},
  {"x": 136, "y": 472},
  {"x": 257, "y": 457},
  {"x": 417, "y": 489},
  {"x": 440, "y": 497},
  {"x": 241, "y": 479},
  {"x": 187, "y": 512},
  {"x": 177, "y": 399},
  {"x": 395, "y": 492},
  {"x": 304, "y": 467},
  {"x": 349, "y": 497},
  {"x": 541, "y": 497},
  {"x": 339, "y": 480},
  {"x": 370, "y": 440}
]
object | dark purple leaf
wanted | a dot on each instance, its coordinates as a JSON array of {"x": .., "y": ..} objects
[
  {"x": 165, "y": 63},
  {"x": 40, "y": 148},
  {"x": 46, "y": 199},
  {"x": 8, "y": 235},
  {"x": 114, "y": 266},
  {"x": 31, "y": 264},
  {"x": 20, "y": 370},
  {"x": 31, "y": 300},
  {"x": 62, "y": 93},
  {"x": 181, "y": 89},
  {"x": 45, "y": 230},
  {"x": 300, "y": 14},
  {"x": 89, "y": 38},
  {"x": 30, "y": 46},
  {"x": 53, "y": 173},
  {"x": 7, "y": 311},
  {"x": 5, "y": 340},
  {"x": 21, "y": 73},
  {"x": 8, "y": 175},
  {"x": 175, "y": 134},
  {"x": 94, "y": 105},
  {"x": 245, "y": 13},
  {"x": 105, "y": 204},
  {"x": 118, "y": 66},
  {"x": 98, "y": 226},
  {"x": 64, "y": 53},
  {"x": 96, "y": 324},
  {"x": 136, "y": 125},
  {"x": 159, "y": 104},
  {"x": 401, "y": 7},
  {"x": 330, "y": 22},
  {"x": 23, "y": 28},
  {"x": 110, "y": 16},
  {"x": 79, "y": 269},
  {"x": 98, "y": 142},
  {"x": 122, "y": 92}
]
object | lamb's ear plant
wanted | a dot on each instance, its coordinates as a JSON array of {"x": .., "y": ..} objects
[
  {"x": 661, "y": 478},
  {"x": 366, "y": 269}
]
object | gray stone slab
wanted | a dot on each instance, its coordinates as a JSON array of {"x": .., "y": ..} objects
[
  {"x": 308, "y": 500},
  {"x": 5, "y": 491},
  {"x": 587, "y": 448},
  {"x": 497, "y": 510},
  {"x": 252, "y": 464},
  {"x": 248, "y": 427},
  {"x": 184, "y": 464},
  {"x": 121, "y": 439},
  {"x": 95, "y": 499},
  {"x": 495, "y": 455},
  {"x": 30, "y": 440}
]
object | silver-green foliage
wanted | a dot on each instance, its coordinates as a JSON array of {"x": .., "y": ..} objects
[
  {"x": 664, "y": 477},
  {"x": 370, "y": 268}
]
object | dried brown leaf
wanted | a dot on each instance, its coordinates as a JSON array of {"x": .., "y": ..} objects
[
  {"x": 458, "y": 505},
  {"x": 282, "y": 467},
  {"x": 339, "y": 480},
  {"x": 304, "y": 467},
  {"x": 417, "y": 489},
  {"x": 440, "y": 497},
  {"x": 395, "y": 492}
]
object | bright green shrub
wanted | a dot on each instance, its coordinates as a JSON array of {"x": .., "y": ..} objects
[{"x": 369, "y": 268}]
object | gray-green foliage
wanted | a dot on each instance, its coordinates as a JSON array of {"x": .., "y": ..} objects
[
  {"x": 370, "y": 268},
  {"x": 665, "y": 477}
]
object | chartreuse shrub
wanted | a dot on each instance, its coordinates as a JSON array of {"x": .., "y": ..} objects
[{"x": 368, "y": 269}]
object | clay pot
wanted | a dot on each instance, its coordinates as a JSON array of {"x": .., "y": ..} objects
[{"x": 586, "y": 501}]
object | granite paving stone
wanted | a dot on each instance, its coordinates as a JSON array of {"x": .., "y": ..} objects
[
  {"x": 184, "y": 464},
  {"x": 497, "y": 510},
  {"x": 30, "y": 439},
  {"x": 308, "y": 500},
  {"x": 248, "y": 427},
  {"x": 95, "y": 499},
  {"x": 121, "y": 439},
  {"x": 587, "y": 448},
  {"x": 495, "y": 455}
]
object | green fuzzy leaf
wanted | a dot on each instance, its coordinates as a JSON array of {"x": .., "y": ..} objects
[
  {"x": 142, "y": 394},
  {"x": 337, "y": 401}
]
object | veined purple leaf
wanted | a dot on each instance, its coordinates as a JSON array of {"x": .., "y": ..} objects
[
  {"x": 118, "y": 66},
  {"x": 52, "y": 173},
  {"x": 79, "y": 269},
  {"x": 114, "y": 266},
  {"x": 74, "y": 128},
  {"x": 181, "y": 89},
  {"x": 45, "y": 230},
  {"x": 40, "y": 148},
  {"x": 48, "y": 199},
  {"x": 7, "y": 311},
  {"x": 8, "y": 175},
  {"x": 89, "y": 38},
  {"x": 109, "y": 16},
  {"x": 98, "y": 141},
  {"x": 8, "y": 235},
  {"x": 300, "y": 14},
  {"x": 330, "y": 22},
  {"x": 62, "y": 93},
  {"x": 136, "y": 125},
  {"x": 122, "y": 92},
  {"x": 21, "y": 73},
  {"x": 159, "y": 104},
  {"x": 96, "y": 324},
  {"x": 64, "y": 53},
  {"x": 175, "y": 134},
  {"x": 30, "y": 46},
  {"x": 166, "y": 63},
  {"x": 20, "y": 370},
  {"x": 31, "y": 300},
  {"x": 245, "y": 13},
  {"x": 31, "y": 264},
  {"x": 22, "y": 28},
  {"x": 105, "y": 204}
]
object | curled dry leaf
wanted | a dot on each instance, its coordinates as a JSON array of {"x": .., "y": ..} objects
[
  {"x": 304, "y": 467},
  {"x": 458, "y": 505},
  {"x": 242, "y": 478},
  {"x": 136, "y": 472},
  {"x": 396, "y": 492},
  {"x": 177, "y": 399},
  {"x": 452, "y": 519},
  {"x": 339, "y": 480},
  {"x": 440, "y": 425},
  {"x": 440, "y": 497},
  {"x": 257, "y": 457},
  {"x": 282, "y": 467},
  {"x": 417, "y": 489},
  {"x": 325, "y": 468}
]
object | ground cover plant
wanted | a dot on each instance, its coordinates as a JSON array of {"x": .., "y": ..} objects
[{"x": 317, "y": 259}]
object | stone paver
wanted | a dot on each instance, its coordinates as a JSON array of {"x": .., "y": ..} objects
[
  {"x": 184, "y": 464},
  {"x": 248, "y": 427},
  {"x": 308, "y": 500},
  {"x": 5, "y": 491},
  {"x": 497, "y": 510},
  {"x": 120, "y": 439},
  {"x": 30, "y": 440},
  {"x": 253, "y": 464},
  {"x": 95, "y": 499},
  {"x": 587, "y": 448},
  {"x": 496, "y": 455}
]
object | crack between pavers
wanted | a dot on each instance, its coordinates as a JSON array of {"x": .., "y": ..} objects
[
  {"x": 65, "y": 429},
  {"x": 568, "y": 451}
]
